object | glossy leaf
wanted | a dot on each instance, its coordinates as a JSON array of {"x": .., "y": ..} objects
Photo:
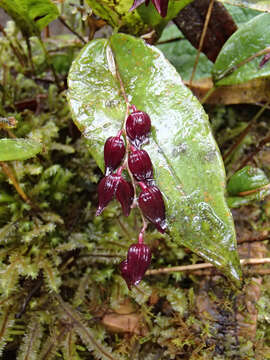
[
  {"x": 18, "y": 149},
  {"x": 260, "y": 5},
  {"x": 230, "y": 67},
  {"x": 246, "y": 179},
  {"x": 187, "y": 165},
  {"x": 237, "y": 201},
  {"x": 182, "y": 54},
  {"x": 31, "y": 16}
]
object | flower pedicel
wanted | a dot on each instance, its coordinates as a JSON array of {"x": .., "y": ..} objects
[{"x": 113, "y": 185}]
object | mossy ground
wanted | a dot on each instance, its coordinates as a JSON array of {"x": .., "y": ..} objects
[{"x": 61, "y": 293}]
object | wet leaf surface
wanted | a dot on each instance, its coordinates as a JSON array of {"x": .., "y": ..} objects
[
  {"x": 31, "y": 16},
  {"x": 230, "y": 67},
  {"x": 187, "y": 165},
  {"x": 249, "y": 4},
  {"x": 246, "y": 179},
  {"x": 18, "y": 149}
]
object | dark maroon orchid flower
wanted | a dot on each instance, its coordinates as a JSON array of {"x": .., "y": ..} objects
[
  {"x": 137, "y": 262},
  {"x": 152, "y": 205},
  {"x": 114, "y": 185},
  {"x": 264, "y": 60},
  {"x": 160, "y": 5},
  {"x": 138, "y": 126},
  {"x": 140, "y": 165},
  {"x": 114, "y": 151}
]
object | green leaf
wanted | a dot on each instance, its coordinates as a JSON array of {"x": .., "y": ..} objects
[
  {"x": 151, "y": 17},
  {"x": 246, "y": 179},
  {"x": 260, "y": 5},
  {"x": 230, "y": 67},
  {"x": 182, "y": 55},
  {"x": 137, "y": 22},
  {"x": 237, "y": 201},
  {"x": 31, "y": 16},
  {"x": 241, "y": 15},
  {"x": 18, "y": 149},
  {"x": 187, "y": 163}
]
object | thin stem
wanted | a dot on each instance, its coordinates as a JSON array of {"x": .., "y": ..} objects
[
  {"x": 245, "y": 132},
  {"x": 16, "y": 52},
  {"x": 244, "y": 62},
  {"x": 29, "y": 49},
  {"x": 125, "y": 163},
  {"x": 194, "y": 267},
  {"x": 253, "y": 239},
  {"x": 49, "y": 63},
  {"x": 249, "y": 192},
  {"x": 205, "y": 26},
  {"x": 254, "y": 152},
  {"x": 141, "y": 234},
  {"x": 208, "y": 94},
  {"x": 170, "y": 40},
  {"x": 8, "y": 171},
  {"x": 62, "y": 20}
]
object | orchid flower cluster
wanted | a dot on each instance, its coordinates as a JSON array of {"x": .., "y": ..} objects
[{"x": 117, "y": 158}]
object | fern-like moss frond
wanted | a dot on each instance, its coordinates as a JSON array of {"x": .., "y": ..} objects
[
  {"x": 31, "y": 341},
  {"x": 6, "y": 322},
  {"x": 87, "y": 336}
]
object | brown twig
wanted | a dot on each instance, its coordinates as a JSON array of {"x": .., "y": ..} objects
[
  {"x": 254, "y": 152},
  {"x": 9, "y": 173},
  {"x": 253, "y": 239},
  {"x": 205, "y": 26},
  {"x": 62, "y": 20},
  {"x": 214, "y": 271},
  {"x": 249, "y": 192},
  {"x": 170, "y": 40},
  {"x": 26, "y": 301},
  {"x": 16, "y": 52},
  {"x": 194, "y": 267},
  {"x": 244, "y": 133}
]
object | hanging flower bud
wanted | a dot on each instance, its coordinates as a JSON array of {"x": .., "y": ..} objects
[
  {"x": 125, "y": 195},
  {"x": 138, "y": 126},
  {"x": 114, "y": 151},
  {"x": 114, "y": 185},
  {"x": 152, "y": 205},
  {"x": 264, "y": 60},
  {"x": 140, "y": 165},
  {"x": 138, "y": 260},
  {"x": 160, "y": 5}
]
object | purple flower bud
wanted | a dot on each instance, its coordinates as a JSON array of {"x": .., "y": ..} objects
[
  {"x": 138, "y": 126},
  {"x": 140, "y": 165},
  {"x": 264, "y": 60},
  {"x": 138, "y": 260},
  {"x": 114, "y": 151},
  {"x": 110, "y": 186},
  {"x": 152, "y": 205},
  {"x": 160, "y": 5},
  {"x": 125, "y": 195}
]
